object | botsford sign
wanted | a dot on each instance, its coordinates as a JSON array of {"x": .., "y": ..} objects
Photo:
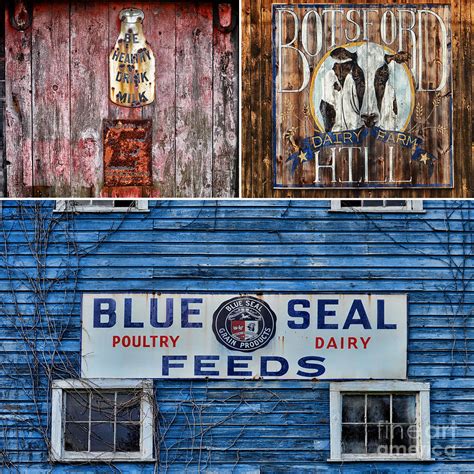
[{"x": 272, "y": 336}]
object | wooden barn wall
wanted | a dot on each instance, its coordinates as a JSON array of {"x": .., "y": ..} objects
[
  {"x": 257, "y": 127},
  {"x": 2, "y": 102},
  {"x": 247, "y": 246},
  {"x": 57, "y": 99}
]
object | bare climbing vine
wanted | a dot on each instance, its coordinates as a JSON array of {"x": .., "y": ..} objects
[
  {"x": 456, "y": 254},
  {"x": 42, "y": 255}
]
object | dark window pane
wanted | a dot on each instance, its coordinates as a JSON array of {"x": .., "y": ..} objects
[
  {"x": 102, "y": 406},
  {"x": 378, "y": 439},
  {"x": 128, "y": 437},
  {"x": 403, "y": 439},
  {"x": 353, "y": 439},
  {"x": 351, "y": 203},
  {"x": 77, "y": 406},
  {"x": 353, "y": 408},
  {"x": 395, "y": 203},
  {"x": 99, "y": 202},
  {"x": 404, "y": 409},
  {"x": 76, "y": 437},
  {"x": 102, "y": 437},
  {"x": 124, "y": 203},
  {"x": 378, "y": 408},
  {"x": 374, "y": 203},
  {"x": 128, "y": 407}
]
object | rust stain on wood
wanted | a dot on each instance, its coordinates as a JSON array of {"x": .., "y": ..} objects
[{"x": 127, "y": 152}]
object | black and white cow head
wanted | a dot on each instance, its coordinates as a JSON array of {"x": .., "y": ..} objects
[{"x": 357, "y": 91}]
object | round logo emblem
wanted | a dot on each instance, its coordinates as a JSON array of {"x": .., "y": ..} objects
[{"x": 244, "y": 324}]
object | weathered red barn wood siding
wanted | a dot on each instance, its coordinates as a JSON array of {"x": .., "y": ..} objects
[
  {"x": 2, "y": 101},
  {"x": 51, "y": 104},
  {"x": 57, "y": 100},
  {"x": 18, "y": 120},
  {"x": 225, "y": 133},
  {"x": 88, "y": 23},
  {"x": 257, "y": 129},
  {"x": 163, "y": 110}
]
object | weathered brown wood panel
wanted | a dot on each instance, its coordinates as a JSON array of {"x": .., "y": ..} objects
[
  {"x": 57, "y": 101},
  {"x": 257, "y": 109}
]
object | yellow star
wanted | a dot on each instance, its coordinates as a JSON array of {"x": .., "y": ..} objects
[
  {"x": 424, "y": 158},
  {"x": 302, "y": 156}
]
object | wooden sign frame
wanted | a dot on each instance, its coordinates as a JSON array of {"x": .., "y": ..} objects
[{"x": 410, "y": 143}]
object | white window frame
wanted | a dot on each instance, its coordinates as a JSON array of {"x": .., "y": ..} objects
[
  {"x": 64, "y": 205},
  {"x": 59, "y": 454},
  {"x": 422, "y": 391},
  {"x": 412, "y": 205}
]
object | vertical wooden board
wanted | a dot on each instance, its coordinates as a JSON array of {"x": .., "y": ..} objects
[
  {"x": 246, "y": 97},
  {"x": 194, "y": 100},
  {"x": 51, "y": 106},
  {"x": 255, "y": 92},
  {"x": 160, "y": 30},
  {"x": 89, "y": 95},
  {"x": 18, "y": 118},
  {"x": 466, "y": 139},
  {"x": 225, "y": 111},
  {"x": 116, "y": 111},
  {"x": 266, "y": 97}
]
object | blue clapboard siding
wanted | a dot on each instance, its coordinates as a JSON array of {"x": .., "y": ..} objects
[{"x": 202, "y": 246}]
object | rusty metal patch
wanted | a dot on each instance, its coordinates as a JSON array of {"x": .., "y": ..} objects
[{"x": 127, "y": 152}]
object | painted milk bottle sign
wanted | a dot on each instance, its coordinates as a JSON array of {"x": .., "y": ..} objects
[
  {"x": 362, "y": 96},
  {"x": 132, "y": 63}
]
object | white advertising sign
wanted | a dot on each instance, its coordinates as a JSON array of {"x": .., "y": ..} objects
[{"x": 225, "y": 336}]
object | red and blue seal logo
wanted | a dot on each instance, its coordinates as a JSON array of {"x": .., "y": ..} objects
[{"x": 244, "y": 324}]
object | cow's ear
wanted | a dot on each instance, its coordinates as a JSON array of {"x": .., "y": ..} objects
[
  {"x": 400, "y": 57},
  {"x": 342, "y": 54}
]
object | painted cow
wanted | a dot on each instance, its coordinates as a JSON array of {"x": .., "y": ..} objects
[{"x": 358, "y": 92}]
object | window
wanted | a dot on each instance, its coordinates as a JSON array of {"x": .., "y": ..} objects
[
  {"x": 102, "y": 420},
  {"x": 382, "y": 421},
  {"x": 377, "y": 205},
  {"x": 102, "y": 205}
]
